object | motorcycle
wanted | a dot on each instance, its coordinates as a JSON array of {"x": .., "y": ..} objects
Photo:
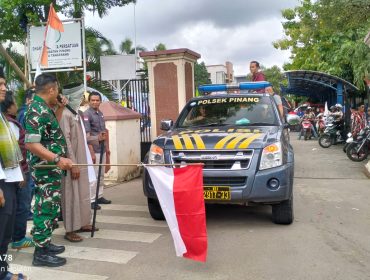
[
  {"x": 307, "y": 129},
  {"x": 320, "y": 124},
  {"x": 348, "y": 141},
  {"x": 294, "y": 121},
  {"x": 332, "y": 134},
  {"x": 358, "y": 150}
]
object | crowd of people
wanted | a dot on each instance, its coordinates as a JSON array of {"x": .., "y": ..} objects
[
  {"x": 359, "y": 118},
  {"x": 45, "y": 132}
]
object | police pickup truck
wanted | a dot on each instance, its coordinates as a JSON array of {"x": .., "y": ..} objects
[{"x": 242, "y": 142}]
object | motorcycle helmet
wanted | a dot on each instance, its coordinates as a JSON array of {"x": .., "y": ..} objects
[
  {"x": 332, "y": 108},
  {"x": 339, "y": 106}
]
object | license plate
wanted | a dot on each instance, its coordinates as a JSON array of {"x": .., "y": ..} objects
[{"x": 216, "y": 193}]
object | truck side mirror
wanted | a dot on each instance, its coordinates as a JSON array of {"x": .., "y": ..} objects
[{"x": 166, "y": 124}]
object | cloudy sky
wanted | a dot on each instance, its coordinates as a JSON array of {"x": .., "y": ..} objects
[{"x": 236, "y": 30}]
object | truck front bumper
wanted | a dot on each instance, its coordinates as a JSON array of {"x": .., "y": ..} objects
[{"x": 265, "y": 186}]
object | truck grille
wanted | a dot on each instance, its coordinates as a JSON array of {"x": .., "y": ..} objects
[
  {"x": 220, "y": 160},
  {"x": 224, "y": 181}
]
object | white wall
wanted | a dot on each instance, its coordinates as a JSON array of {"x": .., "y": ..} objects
[{"x": 124, "y": 141}]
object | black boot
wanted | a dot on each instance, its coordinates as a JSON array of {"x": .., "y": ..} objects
[
  {"x": 55, "y": 249},
  {"x": 42, "y": 257}
]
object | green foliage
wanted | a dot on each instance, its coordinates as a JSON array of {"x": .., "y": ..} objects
[
  {"x": 327, "y": 36},
  {"x": 274, "y": 75},
  {"x": 201, "y": 75},
  {"x": 127, "y": 47},
  {"x": 96, "y": 46},
  {"x": 18, "y": 59},
  {"x": 102, "y": 86},
  {"x": 160, "y": 47},
  {"x": 19, "y": 96},
  {"x": 16, "y": 14},
  {"x": 295, "y": 100}
]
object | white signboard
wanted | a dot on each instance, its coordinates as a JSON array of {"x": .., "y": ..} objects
[
  {"x": 68, "y": 51},
  {"x": 118, "y": 67}
]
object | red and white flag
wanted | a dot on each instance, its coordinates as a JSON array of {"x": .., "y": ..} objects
[
  {"x": 53, "y": 30},
  {"x": 180, "y": 193}
]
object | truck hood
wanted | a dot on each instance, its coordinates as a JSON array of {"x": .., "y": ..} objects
[{"x": 220, "y": 138}]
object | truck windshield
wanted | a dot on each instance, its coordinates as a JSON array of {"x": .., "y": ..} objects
[{"x": 222, "y": 111}]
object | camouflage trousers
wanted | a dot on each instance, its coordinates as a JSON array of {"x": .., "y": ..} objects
[{"x": 47, "y": 204}]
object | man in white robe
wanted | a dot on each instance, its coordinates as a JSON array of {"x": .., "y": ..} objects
[{"x": 76, "y": 185}]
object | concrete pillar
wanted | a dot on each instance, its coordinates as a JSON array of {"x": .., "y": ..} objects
[
  {"x": 171, "y": 83},
  {"x": 124, "y": 140}
]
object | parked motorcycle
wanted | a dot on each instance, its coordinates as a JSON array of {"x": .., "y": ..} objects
[
  {"x": 348, "y": 141},
  {"x": 332, "y": 134},
  {"x": 358, "y": 150}
]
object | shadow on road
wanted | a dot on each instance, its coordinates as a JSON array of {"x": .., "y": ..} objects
[{"x": 227, "y": 214}]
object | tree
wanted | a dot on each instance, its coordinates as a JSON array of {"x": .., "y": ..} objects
[
  {"x": 201, "y": 75},
  {"x": 160, "y": 47},
  {"x": 126, "y": 47},
  {"x": 274, "y": 75},
  {"x": 15, "y": 15},
  {"x": 327, "y": 36},
  {"x": 97, "y": 45}
]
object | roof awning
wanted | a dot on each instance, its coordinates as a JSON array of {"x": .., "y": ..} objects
[{"x": 316, "y": 84}]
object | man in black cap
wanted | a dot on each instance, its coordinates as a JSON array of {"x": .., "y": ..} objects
[{"x": 10, "y": 177}]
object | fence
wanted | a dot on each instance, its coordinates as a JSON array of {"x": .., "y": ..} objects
[{"x": 137, "y": 98}]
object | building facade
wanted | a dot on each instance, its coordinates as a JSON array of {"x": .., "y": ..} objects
[{"x": 221, "y": 74}]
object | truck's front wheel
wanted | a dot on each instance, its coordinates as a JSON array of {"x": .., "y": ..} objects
[
  {"x": 282, "y": 213},
  {"x": 155, "y": 209}
]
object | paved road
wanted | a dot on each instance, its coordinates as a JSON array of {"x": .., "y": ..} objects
[{"x": 330, "y": 238}]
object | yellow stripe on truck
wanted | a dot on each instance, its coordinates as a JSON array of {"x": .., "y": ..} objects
[
  {"x": 246, "y": 143},
  {"x": 177, "y": 142},
  {"x": 220, "y": 144},
  {"x": 187, "y": 141},
  {"x": 232, "y": 144},
  {"x": 198, "y": 141}
]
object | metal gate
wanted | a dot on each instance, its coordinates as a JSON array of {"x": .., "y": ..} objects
[{"x": 137, "y": 99}]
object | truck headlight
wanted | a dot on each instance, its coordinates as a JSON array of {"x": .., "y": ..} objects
[
  {"x": 271, "y": 156},
  {"x": 156, "y": 155}
]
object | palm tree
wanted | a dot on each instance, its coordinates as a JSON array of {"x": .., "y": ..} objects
[
  {"x": 126, "y": 47},
  {"x": 96, "y": 46}
]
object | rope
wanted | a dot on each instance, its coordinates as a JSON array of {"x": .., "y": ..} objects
[{"x": 45, "y": 166}]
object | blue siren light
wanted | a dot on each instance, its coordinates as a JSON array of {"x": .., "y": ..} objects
[{"x": 242, "y": 86}]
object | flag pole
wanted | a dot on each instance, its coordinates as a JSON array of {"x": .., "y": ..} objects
[
  {"x": 84, "y": 52},
  {"x": 97, "y": 187}
]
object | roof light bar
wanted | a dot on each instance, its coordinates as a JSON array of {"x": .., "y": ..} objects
[{"x": 225, "y": 87}]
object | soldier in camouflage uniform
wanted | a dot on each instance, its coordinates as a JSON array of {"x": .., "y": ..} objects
[{"x": 46, "y": 143}]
